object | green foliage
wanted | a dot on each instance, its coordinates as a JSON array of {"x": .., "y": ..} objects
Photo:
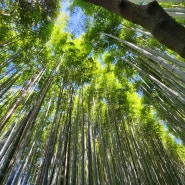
[
  {"x": 89, "y": 10},
  {"x": 61, "y": 93}
]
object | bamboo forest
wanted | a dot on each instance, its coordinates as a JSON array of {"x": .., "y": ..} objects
[{"x": 90, "y": 96}]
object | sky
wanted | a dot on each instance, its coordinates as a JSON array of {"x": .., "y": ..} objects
[{"x": 76, "y": 19}]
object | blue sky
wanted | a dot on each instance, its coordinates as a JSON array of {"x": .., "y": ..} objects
[{"x": 76, "y": 22}]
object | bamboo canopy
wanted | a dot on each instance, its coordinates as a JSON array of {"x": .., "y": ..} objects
[{"x": 105, "y": 107}]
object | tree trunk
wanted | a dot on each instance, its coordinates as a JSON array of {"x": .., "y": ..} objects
[
  {"x": 147, "y": 1},
  {"x": 169, "y": 67},
  {"x": 151, "y": 17},
  {"x": 83, "y": 143}
]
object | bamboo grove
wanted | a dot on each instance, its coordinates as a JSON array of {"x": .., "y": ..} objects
[{"x": 106, "y": 107}]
